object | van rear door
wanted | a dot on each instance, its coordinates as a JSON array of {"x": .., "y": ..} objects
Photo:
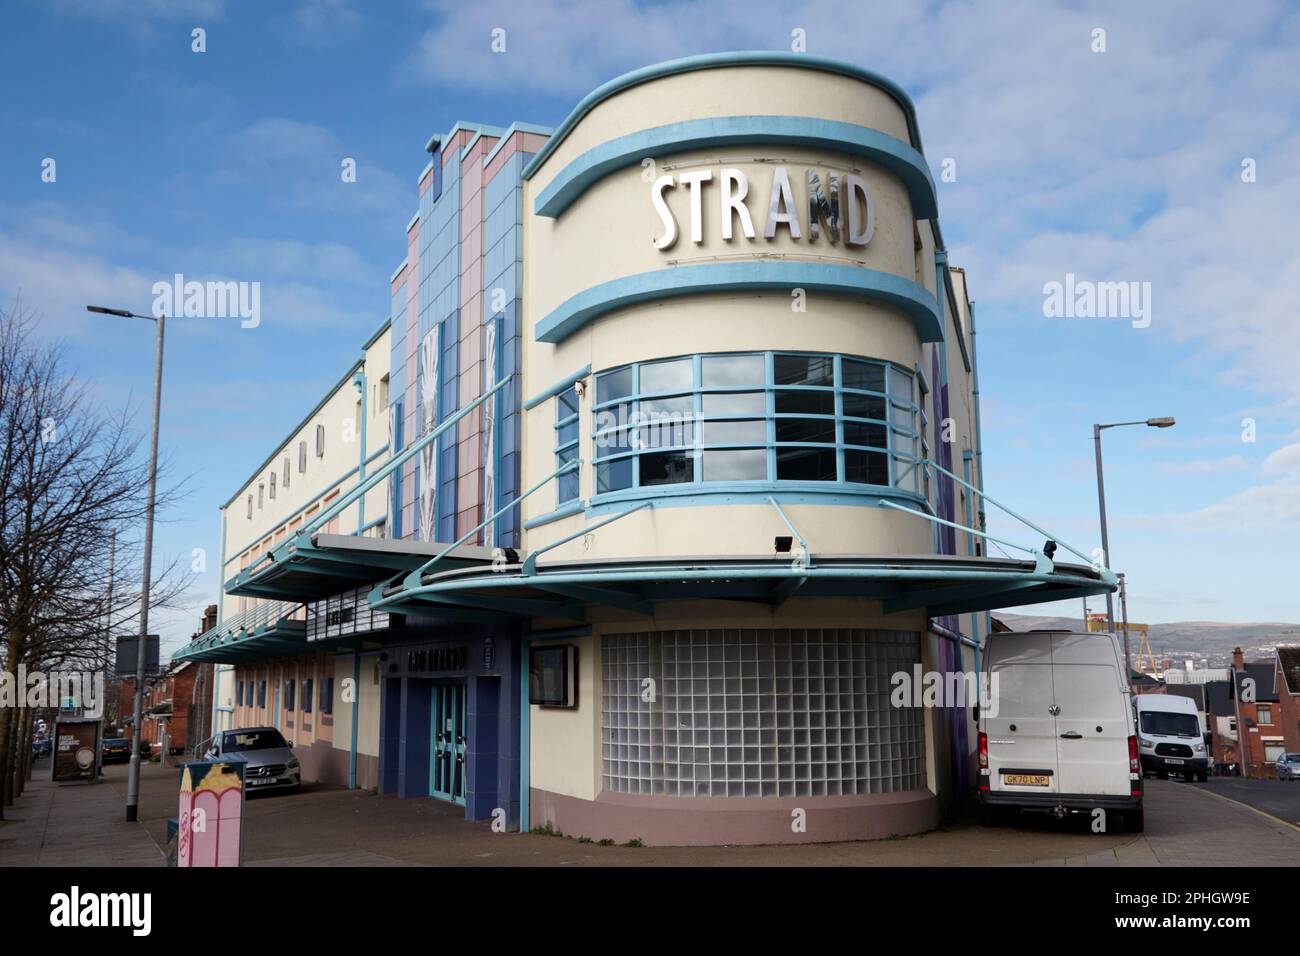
[
  {"x": 1092, "y": 725},
  {"x": 1023, "y": 759}
]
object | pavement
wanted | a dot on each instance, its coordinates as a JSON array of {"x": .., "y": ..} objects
[
  {"x": 73, "y": 824},
  {"x": 1280, "y": 798},
  {"x": 51, "y": 825}
]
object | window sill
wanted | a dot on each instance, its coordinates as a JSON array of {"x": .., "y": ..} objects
[{"x": 754, "y": 492}]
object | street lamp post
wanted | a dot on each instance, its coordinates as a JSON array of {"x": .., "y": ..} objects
[
  {"x": 133, "y": 776},
  {"x": 1101, "y": 505}
]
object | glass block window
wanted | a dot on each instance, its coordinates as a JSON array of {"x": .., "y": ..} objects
[
  {"x": 566, "y": 443},
  {"x": 761, "y": 416},
  {"x": 759, "y": 713}
]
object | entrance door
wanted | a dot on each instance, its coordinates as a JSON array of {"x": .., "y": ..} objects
[{"x": 447, "y": 769}]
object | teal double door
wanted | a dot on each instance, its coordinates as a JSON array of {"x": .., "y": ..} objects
[{"x": 450, "y": 744}]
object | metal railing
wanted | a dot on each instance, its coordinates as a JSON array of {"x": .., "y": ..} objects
[
  {"x": 262, "y": 613},
  {"x": 302, "y": 536},
  {"x": 1042, "y": 561}
]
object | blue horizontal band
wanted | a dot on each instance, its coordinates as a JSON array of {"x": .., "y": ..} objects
[
  {"x": 713, "y": 61},
  {"x": 846, "y": 280},
  {"x": 893, "y": 154}
]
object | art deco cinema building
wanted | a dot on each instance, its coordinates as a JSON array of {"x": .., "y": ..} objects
[{"x": 723, "y": 474}]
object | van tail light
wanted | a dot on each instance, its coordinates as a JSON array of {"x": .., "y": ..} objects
[
  {"x": 1134, "y": 767},
  {"x": 984, "y": 761}
]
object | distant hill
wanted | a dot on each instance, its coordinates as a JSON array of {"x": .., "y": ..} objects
[{"x": 1213, "y": 640}]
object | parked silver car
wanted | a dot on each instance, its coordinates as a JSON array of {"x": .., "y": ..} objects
[
  {"x": 269, "y": 763},
  {"x": 1288, "y": 767}
]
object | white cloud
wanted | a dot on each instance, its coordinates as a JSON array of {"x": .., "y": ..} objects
[
  {"x": 311, "y": 158},
  {"x": 61, "y": 263},
  {"x": 1204, "y": 466},
  {"x": 322, "y": 22},
  {"x": 1284, "y": 462},
  {"x": 120, "y": 10},
  {"x": 1263, "y": 508}
]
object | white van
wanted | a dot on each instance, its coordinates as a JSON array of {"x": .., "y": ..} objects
[
  {"x": 1170, "y": 736},
  {"x": 1058, "y": 736}
]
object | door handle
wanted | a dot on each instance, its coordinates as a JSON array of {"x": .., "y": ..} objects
[{"x": 1071, "y": 735}]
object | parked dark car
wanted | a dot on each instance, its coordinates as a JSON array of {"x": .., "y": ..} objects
[{"x": 118, "y": 750}]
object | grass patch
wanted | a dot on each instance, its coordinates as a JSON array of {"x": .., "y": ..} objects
[
  {"x": 547, "y": 830},
  {"x": 605, "y": 842},
  {"x": 634, "y": 843}
]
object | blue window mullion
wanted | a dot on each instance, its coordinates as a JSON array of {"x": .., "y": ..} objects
[
  {"x": 697, "y": 413},
  {"x": 635, "y": 412},
  {"x": 837, "y": 378},
  {"x": 769, "y": 395}
]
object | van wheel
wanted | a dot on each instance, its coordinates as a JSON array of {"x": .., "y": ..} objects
[
  {"x": 1135, "y": 820},
  {"x": 1203, "y": 776}
]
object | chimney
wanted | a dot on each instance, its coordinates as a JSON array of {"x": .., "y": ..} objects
[
  {"x": 1238, "y": 661},
  {"x": 209, "y": 617}
]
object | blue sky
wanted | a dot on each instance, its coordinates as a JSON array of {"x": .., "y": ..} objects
[{"x": 1122, "y": 165}]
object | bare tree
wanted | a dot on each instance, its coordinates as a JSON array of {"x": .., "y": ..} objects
[{"x": 69, "y": 474}]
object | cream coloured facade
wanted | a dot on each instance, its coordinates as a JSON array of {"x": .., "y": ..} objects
[
  {"x": 316, "y": 463},
  {"x": 669, "y": 236}
]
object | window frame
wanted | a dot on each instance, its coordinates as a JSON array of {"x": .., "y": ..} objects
[
  {"x": 903, "y": 435},
  {"x": 568, "y": 450}
]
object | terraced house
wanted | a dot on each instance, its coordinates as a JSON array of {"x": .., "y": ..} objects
[{"x": 666, "y": 460}]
